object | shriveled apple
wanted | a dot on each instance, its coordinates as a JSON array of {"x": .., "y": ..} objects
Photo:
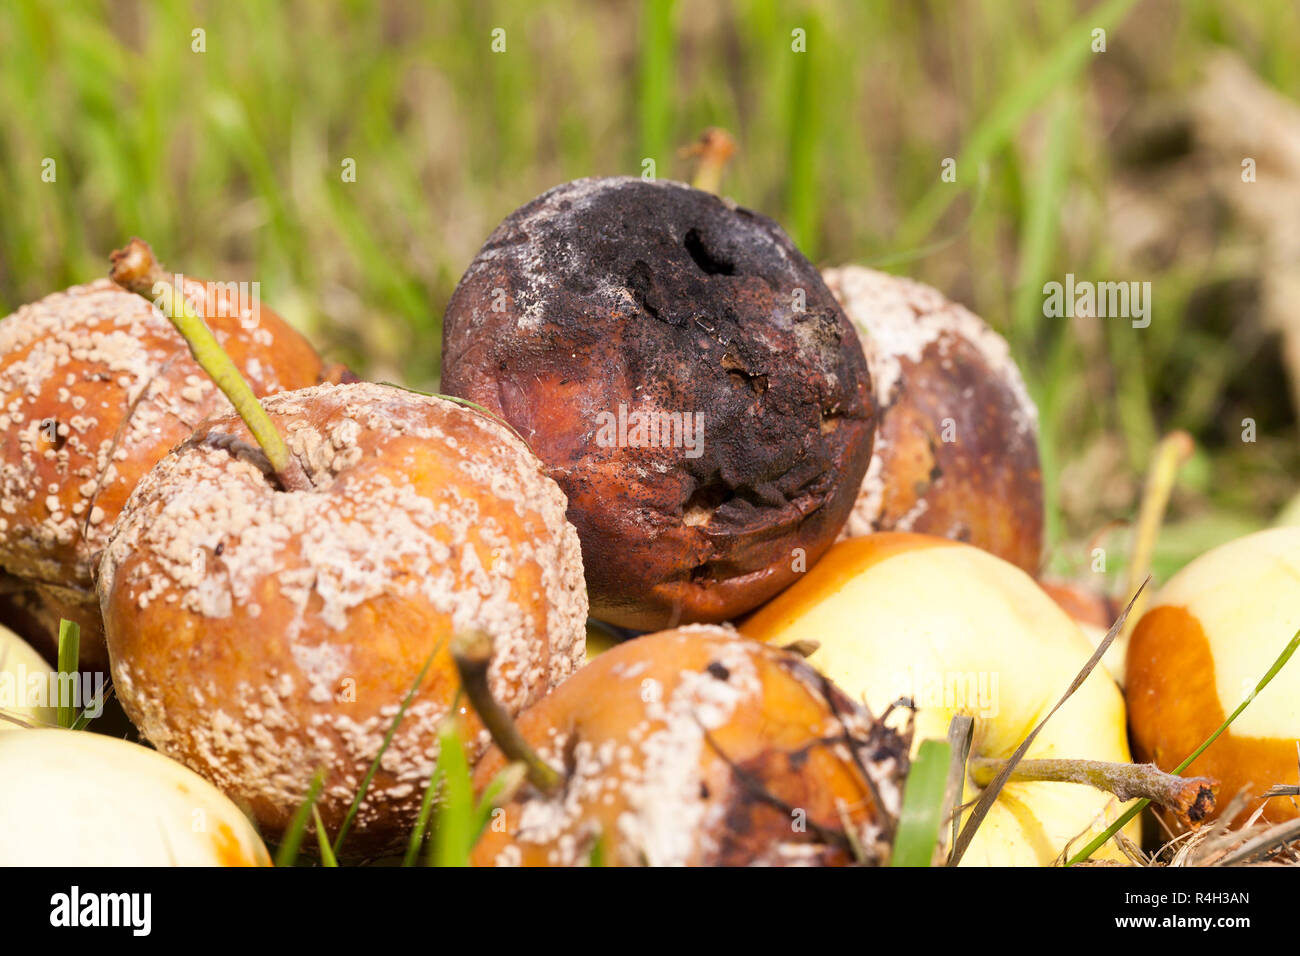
[
  {"x": 687, "y": 379},
  {"x": 956, "y": 451}
]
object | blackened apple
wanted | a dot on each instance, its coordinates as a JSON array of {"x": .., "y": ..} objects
[{"x": 684, "y": 375}]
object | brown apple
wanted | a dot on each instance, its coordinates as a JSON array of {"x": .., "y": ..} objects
[
  {"x": 686, "y": 378},
  {"x": 956, "y": 450}
]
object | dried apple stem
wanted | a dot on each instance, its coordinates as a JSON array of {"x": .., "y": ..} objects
[
  {"x": 1191, "y": 799},
  {"x": 713, "y": 149},
  {"x": 136, "y": 270},
  {"x": 1170, "y": 455},
  {"x": 472, "y": 653}
]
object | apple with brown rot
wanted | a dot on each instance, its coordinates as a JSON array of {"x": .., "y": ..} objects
[
  {"x": 699, "y": 747},
  {"x": 1211, "y": 634},
  {"x": 687, "y": 379},
  {"x": 261, "y": 629},
  {"x": 956, "y": 449},
  {"x": 95, "y": 386}
]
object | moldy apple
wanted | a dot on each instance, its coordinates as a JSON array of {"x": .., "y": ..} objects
[
  {"x": 95, "y": 387},
  {"x": 697, "y": 747},
  {"x": 605, "y": 298},
  {"x": 956, "y": 451},
  {"x": 258, "y": 634}
]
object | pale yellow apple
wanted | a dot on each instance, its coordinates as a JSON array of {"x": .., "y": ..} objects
[
  {"x": 20, "y": 665},
  {"x": 1094, "y": 613},
  {"x": 1208, "y": 638},
  {"x": 74, "y": 798},
  {"x": 1113, "y": 659},
  {"x": 599, "y": 640},
  {"x": 961, "y": 631}
]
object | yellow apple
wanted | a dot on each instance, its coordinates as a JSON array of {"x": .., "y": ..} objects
[
  {"x": 1094, "y": 613},
  {"x": 599, "y": 639},
  {"x": 19, "y": 665},
  {"x": 961, "y": 631},
  {"x": 1208, "y": 638},
  {"x": 74, "y": 798}
]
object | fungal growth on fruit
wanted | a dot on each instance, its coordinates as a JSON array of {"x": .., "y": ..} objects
[
  {"x": 686, "y": 378},
  {"x": 956, "y": 450},
  {"x": 1211, "y": 633},
  {"x": 259, "y": 634},
  {"x": 95, "y": 387},
  {"x": 698, "y": 747}
]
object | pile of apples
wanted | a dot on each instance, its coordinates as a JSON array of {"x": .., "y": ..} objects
[{"x": 805, "y": 507}]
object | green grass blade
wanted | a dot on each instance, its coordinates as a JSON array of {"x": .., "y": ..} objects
[
  {"x": 597, "y": 855},
  {"x": 1037, "y": 250},
  {"x": 1042, "y": 221},
  {"x": 327, "y": 857},
  {"x": 1060, "y": 64},
  {"x": 83, "y": 719},
  {"x": 1138, "y": 807},
  {"x": 416, "y": 840},
  {"x": 803, "y": 199},
  {"x": 69, "y": 660},
  {"x": 656, "y": 80},
  {"x": 290, "y": 844},
  {"x": 388, "y": 739},
  {"x": 499, "y": 790},
  {"x": 922, "y": 812},
  {"x": 455, "y": 833}
]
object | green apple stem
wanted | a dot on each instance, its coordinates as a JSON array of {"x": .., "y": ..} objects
[
  {"x": 1191, "y": 799},
  {"x": 136, "y": 270},
  {"x": 472, "y": 653},
  {"x": 1170, "y": 455}
]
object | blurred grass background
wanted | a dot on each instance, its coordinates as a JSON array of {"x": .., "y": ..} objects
[{"x": 229, "y": 161}]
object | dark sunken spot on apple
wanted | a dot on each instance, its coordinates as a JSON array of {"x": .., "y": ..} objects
[{"x": 769, "y": 788}]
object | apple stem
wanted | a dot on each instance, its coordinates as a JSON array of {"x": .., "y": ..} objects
[
  {"x": 1171, "y": 454},
  {"x": 713, "y": 149},
  {"x": 472, "y": 653},
  {"x": 1190, "y": 799},
  {"x": 137, "y": 270}
]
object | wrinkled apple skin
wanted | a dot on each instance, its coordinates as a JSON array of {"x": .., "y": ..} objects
[
  {"x": 659, "y": 298},
  {"x": 956, "y": 451},
  {"x": 697, "y": 747}
]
